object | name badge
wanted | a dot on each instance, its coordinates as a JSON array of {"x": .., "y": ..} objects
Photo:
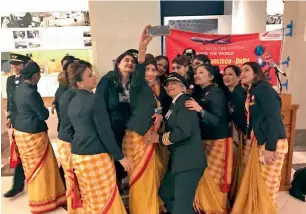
[
  {"x": 158, "y": 110},
  {"x": 168, "y": 114},
  {"x": 123, "y": 98}
]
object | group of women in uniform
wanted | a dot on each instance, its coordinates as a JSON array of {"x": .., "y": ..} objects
[{"x": 174, "y": 136}]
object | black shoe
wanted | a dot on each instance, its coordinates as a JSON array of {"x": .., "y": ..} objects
[
  {"x": 297, "y": 194},
  {"x": 13, "y": 192}
]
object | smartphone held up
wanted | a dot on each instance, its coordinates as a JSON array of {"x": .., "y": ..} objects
[{"x": 155, "y": 31}]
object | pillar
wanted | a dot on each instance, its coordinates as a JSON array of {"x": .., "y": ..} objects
[
  {"x": 116, "y": 26},
  {"x": 295, "y": 48},
  {"x": 248, "y": 16}
]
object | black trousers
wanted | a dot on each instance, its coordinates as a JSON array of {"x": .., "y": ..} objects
[
  {"x": 183, "y": 186},
  {"x": 120, "y": 173},
  {"x": 166, "y": 190},
  {"x": 19, "y": 177}
]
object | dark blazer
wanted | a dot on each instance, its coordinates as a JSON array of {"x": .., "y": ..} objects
[
  {"x": 117, "y": 107},
  {"x": 12, "y": 83},
  {"x": 215, "y": 122},
  {"x": 184, "y": 135},
  {"x": 164, "y": 99},
  {"x": 31, "y": 112},
  {"x": 60, "y": 90},
  {"x": 93, "y": 133},
  {"x": 66, "y": 131},
  {"x": 265, "y": 115},
  {"x": 142, "y": 101},
  {"x": 236, "y": 105}
]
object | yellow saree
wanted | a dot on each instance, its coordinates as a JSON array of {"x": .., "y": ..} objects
[
  {"x": 257, "y": 193},
  {"x": 238, "y": 170},
  {"x": 96, "y": 176},
  {"x": 74, "y": 203},
  {"x": 211, "y": 193},
  {"x": 46, "y": 190},
  {"x": 145, "y": 178}
]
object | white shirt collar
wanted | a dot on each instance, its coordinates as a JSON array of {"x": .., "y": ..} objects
[{"x": 175, "y": 98}]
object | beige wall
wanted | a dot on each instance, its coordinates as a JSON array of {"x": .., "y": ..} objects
[
  {"x": 116, "y": 26},
  {"x": 248, "y": 16},
  {"x": 295, "y": 48}
]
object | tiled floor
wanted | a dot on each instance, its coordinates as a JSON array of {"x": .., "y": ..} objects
[{"x": 19, "y": 205}]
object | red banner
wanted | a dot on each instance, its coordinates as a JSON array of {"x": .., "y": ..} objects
[{"x": 223, "y": 50}]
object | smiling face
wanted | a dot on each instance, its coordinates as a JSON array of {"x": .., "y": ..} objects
[
  {"x": 89, "y": 80},
  {"x": 127, "y": 64},
  {"x": 202, "y": 77},
  {"x": 196, "y": 63},
  {"x": 17, "y": 68},
  {"x": 182, "y": 70},
  {"x": 151, "y": 73},
  {"x": 230, "y": 78},
  {"x": 174, "y": 88},
  {"x": 247, "y": 75},
  {"x": 162, "y": 66}
]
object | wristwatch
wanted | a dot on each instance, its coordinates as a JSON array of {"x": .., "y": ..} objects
[
  {"x": 202, "y": 112},
  {"x": 8, "y": 115}
]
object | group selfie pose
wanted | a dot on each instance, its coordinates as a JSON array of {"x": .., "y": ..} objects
[{"x": 186, "y": 140}]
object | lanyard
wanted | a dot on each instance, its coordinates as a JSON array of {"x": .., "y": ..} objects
[{"x": 247, "y": 108}]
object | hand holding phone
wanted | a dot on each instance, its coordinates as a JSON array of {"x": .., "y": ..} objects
[{"x": 158, "y": 31}]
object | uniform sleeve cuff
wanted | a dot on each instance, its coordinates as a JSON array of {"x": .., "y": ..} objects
[
  {"x": 271, "y": 147},
  {"x": 162, "y": 128},
  {"x": 118, "y": 156},
  {"x": 165, "y": 139},
  {"x": 202, "y": 113},
  {"x": 141, "y": 66}
]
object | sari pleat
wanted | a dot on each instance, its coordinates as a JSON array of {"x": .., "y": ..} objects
[
  {"x": 96, "y": 177},
  {"x": 15, "y": 156},
  {"x": 238, "y": 169},
  {"x": 257, "y": 193},
  {"x": 145, "y": 178},
  {"x": 211, "y": 193},
  {"x": 74, "y": 202},
  {"x": 46, "y": 190}
]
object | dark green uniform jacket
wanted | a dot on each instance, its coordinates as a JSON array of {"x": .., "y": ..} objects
[
  {"x": 93, "y": 133},
  {"x": 12, "y": 83},
  {"x": 66, "y": 131},
  {"x": 183, "y": 137},
  {"x": 265, "y": 115},
  {"x": 31, "y": 112},
  {"x": 215, "y": 122},
  {"x": 143, "y": 103},
  {"x": 236, "y": 106}
]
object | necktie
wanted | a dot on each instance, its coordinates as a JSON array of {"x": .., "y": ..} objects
[
  {"x": 247, "y": 110},
  {"x": 169, "y": 111},
  {"x": 17, "y": 80}
]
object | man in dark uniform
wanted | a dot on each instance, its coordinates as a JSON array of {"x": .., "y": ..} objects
[
  {"x": 183, "y": 138},
  {"x": 17, "y": 61},
  {"x": 190, "y": 54}
]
